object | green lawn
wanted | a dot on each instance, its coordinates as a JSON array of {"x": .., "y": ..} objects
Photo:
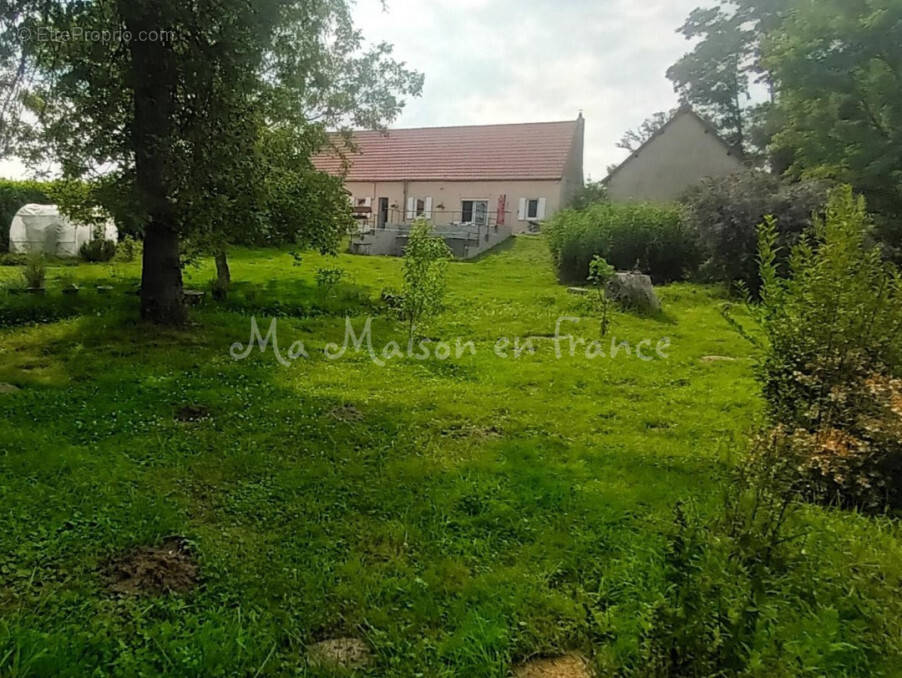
[{"x": 459, "y": 515}]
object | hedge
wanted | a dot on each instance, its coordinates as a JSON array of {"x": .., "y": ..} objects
[
  {"x": 650, "y": 237},
  {"x": 14, "y": 194}
]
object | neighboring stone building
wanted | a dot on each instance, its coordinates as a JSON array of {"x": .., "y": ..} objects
[
  {"x": 683, "y": 152},
  {"x": 484, "y": 181}
]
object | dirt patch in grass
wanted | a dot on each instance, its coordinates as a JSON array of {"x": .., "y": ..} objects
[
  {"x": 346, "y": 413},
  {"x": 718, "y": 359},
  {"x": 167, "y": 568},
  {"x": 470, "y": 431},
  {"x": 568, "y": 666},
  {"x": 8, "y": 388},
  {"x": 189, "y": 413},
  {"x": 340, "y": 653}
]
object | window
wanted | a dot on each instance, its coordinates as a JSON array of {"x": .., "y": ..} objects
[
  {"x": 531, "y": 209},
  {"x": 475, "y": 212},
  {"x": 418, "y": 207}
]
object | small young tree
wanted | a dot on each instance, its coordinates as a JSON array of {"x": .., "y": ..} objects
[
  {"x": 425, "y": 264},
  {"x": 600, "y": 274}
]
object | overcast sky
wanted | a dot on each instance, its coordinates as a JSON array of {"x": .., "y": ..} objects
[{"x": 497, "y": 61}]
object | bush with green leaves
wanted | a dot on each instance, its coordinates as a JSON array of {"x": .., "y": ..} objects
[
  {"x": 651, "y": 238},
  {"x": 97, "y": 250},
  {"x": 833, "y": 323},
  {"x": 425, "y": 264},
  {"x": 129, "y": 249},
  {"x": 832, "y": 354},
  {"x": 35, "y": 272},
  {"x": 725, "y": 212}
]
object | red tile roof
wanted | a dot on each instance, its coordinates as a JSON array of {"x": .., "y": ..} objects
[{"x": 537, "y": 150}]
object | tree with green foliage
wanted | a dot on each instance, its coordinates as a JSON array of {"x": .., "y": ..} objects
[
  {"x": 715, "y": 78},
  {"x": 13, "y": 75},
  {"x": 191, "y": 119},
  {"x": 838, "y": 69},
  {"x": 426, "y": 258},
  {"x": 591, "y": 192}
]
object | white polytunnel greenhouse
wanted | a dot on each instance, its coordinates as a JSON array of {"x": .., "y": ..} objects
[{"x": 42, "y": 229}]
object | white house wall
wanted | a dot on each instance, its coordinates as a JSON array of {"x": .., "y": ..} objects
[{"x": 446, "y": 197}]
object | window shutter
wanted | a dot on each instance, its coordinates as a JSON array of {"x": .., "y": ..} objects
[
  {"x": 411, "y": 208},
  {"x": 521, "y": 213},
  {"x": 541, "y": 213},
  {"x": 427, "y": 212}
]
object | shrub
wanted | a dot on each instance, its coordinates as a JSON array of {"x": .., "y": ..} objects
[
  {"x": 833, "y": 351},
  {"x": 650, "y": 237},
  {"x": 725, "y": 213},
  {"x": 98, "y": 250},
  {"x": 15, "y": 194},
  {"x": 129, "y": 249},
  {"x": 425, "y": 263},
  {"x": 35, "y": 272}
]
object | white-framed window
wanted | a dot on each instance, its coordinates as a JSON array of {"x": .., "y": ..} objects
[
  {"x": 474, "y": 212},
  {"x": 531, "y": 209},
  {"x": 419, "y": 207}
]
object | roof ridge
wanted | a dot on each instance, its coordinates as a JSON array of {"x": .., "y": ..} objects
[{"x": 435, "y": 127}]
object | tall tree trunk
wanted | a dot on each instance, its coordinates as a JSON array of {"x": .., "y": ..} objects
[
  {"x": 153, "y": 80},
  {"x": 162, "y": 299},
  {"x": 223, "y": 274}
]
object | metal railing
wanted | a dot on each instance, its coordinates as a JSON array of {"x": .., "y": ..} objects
[{"x": 398, "y": 217}]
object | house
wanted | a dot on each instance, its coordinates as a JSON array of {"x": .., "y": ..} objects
[
  {"x": 682, "y": 153},
  {"x": 477, "y": 184}
]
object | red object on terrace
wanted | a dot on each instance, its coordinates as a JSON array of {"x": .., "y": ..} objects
[{"x": 526, "y": 151}]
